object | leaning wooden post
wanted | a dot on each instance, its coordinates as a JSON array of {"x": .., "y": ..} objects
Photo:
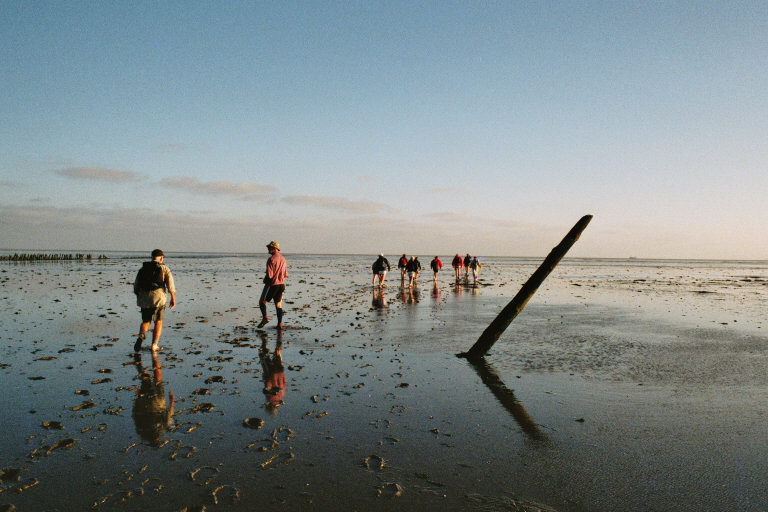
[{"x": 516, "y": 305}]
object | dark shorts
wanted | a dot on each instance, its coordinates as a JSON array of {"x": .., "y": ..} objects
[
  {"x": 152, "y": 314},
  {"x": 272, "y": 292}
]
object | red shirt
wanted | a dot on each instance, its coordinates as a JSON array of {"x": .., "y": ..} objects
[{"x": 276, "y": 269}]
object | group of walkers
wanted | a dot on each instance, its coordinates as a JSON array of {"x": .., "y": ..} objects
[
  {"x": 412, "y": 267},
  {"x": 154, "y": 279},
  {"x": 154, "y": 285},
  {"x": 155, "y": 289}
]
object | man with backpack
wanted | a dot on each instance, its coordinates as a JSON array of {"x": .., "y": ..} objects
[
  {"x": 401, "y": 264},
  {"x": 475, "y": 266},
  {"x": 152, "y": 281},
  {"x": 413, "y": 267},
  {"x": 380, "y": 268},
  {"x": 456, "y": 264}
]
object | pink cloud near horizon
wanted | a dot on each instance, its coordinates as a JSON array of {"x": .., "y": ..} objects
[
  {"x": 244, "y": 190},
  {"x": 98, "y": 174}
]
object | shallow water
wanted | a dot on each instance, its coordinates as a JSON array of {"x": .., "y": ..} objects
[{"x": 623, "y": 385}]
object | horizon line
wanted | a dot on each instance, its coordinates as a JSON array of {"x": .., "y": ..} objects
[{"x": 238, "y": 253}]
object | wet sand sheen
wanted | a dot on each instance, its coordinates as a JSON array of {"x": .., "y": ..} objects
[{"x": 620, "y": 387}]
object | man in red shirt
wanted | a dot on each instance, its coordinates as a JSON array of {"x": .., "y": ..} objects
[
  {"x": 274, "y": 284},
  {"x": 436, "y": 265}
]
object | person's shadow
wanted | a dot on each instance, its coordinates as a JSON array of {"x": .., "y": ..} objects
[
  {"x": 273, "y": 373},
  {"x": 152, "y": 415}
]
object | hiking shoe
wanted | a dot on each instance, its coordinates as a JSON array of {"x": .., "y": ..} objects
[
  {"x": 137, "y": 345},
  {"x": 264, "y": 321}
]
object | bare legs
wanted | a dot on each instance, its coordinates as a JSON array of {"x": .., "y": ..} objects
[{"x": 156, "y": 332}]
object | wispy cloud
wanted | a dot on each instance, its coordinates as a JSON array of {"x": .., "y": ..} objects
[
  {"x": 49, "y": 227},
  {"x": 220, "y": 188},
  {"x": 98, "y": 174},
  {"x": 340, "y": 204},
  {"x": 479, "y": 221}
]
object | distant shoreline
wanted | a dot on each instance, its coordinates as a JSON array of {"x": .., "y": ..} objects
[{"x": 127, "y": 254}]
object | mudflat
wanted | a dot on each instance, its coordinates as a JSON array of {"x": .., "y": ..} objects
[{"x": 623, "y": 385}]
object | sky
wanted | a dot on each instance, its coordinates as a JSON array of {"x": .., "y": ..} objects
[{"x": 425, "y": 127}]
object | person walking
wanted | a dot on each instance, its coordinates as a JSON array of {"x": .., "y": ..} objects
[
  {"x": 475, "y": 266},
  {"x": 467, "y": 261},
  {"x": 456, "y": 264},
  {"x": 402, "y": 263},
  {"x": 413, "y": 267},
  {"x": 436, "y": 266},
  {"x": 274, "y": 284},
  {"x": 150, "y": 286},
  {"x": 380, "y": 268}
]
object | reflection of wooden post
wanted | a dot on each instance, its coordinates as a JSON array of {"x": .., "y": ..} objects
[
  {"x": 516, "y": 305},
  {"x": 507, "y": 398}
]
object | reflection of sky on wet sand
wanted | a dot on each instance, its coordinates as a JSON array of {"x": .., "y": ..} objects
[{"x": 665, "y": 363}]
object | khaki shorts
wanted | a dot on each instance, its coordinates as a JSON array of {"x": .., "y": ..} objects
[{"x": 152, "y": 314}]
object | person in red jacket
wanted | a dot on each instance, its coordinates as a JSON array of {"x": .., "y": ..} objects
[
  {"x": 456, "y": 264},
  {"x": 436, "y": 265}
]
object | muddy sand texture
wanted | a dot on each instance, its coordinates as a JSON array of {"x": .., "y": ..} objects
[{"x": 622, "y": 386}]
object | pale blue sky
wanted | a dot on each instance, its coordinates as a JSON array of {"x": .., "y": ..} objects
[{"x": 419, "y": 127}]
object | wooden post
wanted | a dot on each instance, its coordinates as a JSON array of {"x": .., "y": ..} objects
[{"x": 516, "y": 305}]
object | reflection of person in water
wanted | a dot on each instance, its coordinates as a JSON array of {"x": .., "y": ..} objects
[
  {"x": 151, "y": 414},
  {"x": 273, "y": 373},
  {"x": 378, "y": 301},
  {"x": 413, "y": 295}
]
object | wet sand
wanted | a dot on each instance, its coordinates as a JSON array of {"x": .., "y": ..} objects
[{"x": 623, "y": 385}]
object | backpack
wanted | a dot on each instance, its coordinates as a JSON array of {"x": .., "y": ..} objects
[{"x": 150, "y": 276}]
